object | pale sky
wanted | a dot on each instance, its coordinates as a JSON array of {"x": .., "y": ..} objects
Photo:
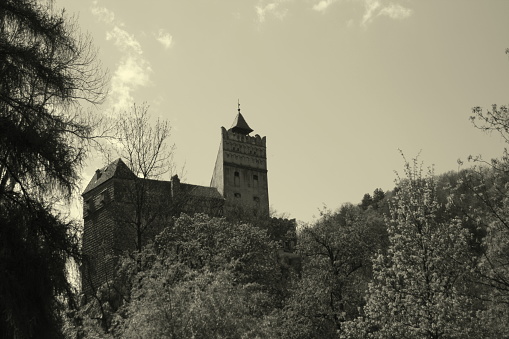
[{"x": 336, "y": 86}]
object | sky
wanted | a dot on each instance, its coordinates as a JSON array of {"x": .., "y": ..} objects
[{"x": 338, "y": 87}]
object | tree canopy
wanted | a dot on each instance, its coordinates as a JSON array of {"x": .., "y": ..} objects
[{"x": 46, "y": 68}]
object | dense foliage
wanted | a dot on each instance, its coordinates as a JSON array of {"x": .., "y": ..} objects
[
  {"x": 46, "y": 68},
  {"x": 201, "y": 277}
]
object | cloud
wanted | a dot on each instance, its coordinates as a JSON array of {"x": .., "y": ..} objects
[
  {"x": 370, "y": 7},
  {"x": 132, "y": 70},
  {"x": 272, "y": 8},
  {"x": 124, "y": 41},
  {"x": 375, "y": 8},
  {"x": 102, "y": 13},
  {"x": 164, "y": 38},
  {"x": 131, "y": 73},
  {"x": 323, "y": 5},
  {"x": 396, "y": 11}
]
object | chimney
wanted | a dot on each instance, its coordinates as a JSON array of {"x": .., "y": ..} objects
[{"x": 175, "y": 185}]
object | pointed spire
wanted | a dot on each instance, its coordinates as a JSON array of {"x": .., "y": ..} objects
[{"x": 240, "y": 125}]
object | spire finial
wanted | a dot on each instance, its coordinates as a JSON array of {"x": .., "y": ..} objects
[{"x": 238, "y": 104}]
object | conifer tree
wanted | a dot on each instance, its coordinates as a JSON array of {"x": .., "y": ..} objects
[{"x": 46, "y": 68}]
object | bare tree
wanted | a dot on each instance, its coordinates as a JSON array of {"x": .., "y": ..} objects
[
  {"x": 145, "y": 146},
  {"x": 146, "y": 149}
]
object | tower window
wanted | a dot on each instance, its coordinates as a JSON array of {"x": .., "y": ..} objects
[
  {"x": 103, "y": 198},
  {"x": 255, "y": 181},
  {"x": 237, "y": 195},
  {"x": 89, "y": 205},
  {"x": 256, "y": 200},
  {"x": 237, "y": 179}
]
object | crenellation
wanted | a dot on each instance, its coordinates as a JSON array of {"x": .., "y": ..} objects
[{"x": 255, "y": 140}]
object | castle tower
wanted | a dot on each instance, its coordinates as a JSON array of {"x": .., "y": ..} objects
[{"x": 240, "y": 173}]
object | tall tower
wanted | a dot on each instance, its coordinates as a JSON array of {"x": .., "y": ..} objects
[{"x": 240, "y": 173}]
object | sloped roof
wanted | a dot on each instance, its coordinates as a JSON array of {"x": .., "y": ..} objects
[
  {"x": 240, "y": 125},
  {"x": 201, "y": 191},
  {"x": 117, "y": 169}
]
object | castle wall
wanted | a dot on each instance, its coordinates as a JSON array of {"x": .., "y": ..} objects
[
  {"x": 150, "y": 201},
  {"x": 98, "y": 238},
  {"x": 110, "y": 219},
  {"x": 218, "y": 174}
]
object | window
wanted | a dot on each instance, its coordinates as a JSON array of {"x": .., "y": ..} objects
[
  {"x": 89, "y": 205},
  {"x": 100, "y": 200},
  {"x": 237, "y": 195},
  {"x": 237, "y": 179},
  {"x": 255, "y": 181},
  {"x": 103, "y": 198},
  {"x": 256, "y": 200}
]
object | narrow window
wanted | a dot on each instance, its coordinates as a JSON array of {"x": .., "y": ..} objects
[
  {"x": 89, "y": 205},
  {"x": 237, "y": 179},
  {"x": 102, "y": 199},
  {"x": 256, "y": 200},
  {"x": 255, "y": 181}
]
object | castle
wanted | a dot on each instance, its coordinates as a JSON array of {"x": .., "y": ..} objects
[{"x": 122, "y": 212}]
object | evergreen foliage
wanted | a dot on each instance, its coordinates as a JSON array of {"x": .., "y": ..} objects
[{"x": 46, "y": 68}]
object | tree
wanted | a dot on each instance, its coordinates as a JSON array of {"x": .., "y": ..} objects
[
  {"x": 199, "y": 304},
  {"x": 203, "y": 242},
  {"x": 36, "y": 244},
  {"x": 375, "y": 202},
  {"x": 145, "y": 148},
  {"x": 378, "y": 197},
  {"x": 336, "y": 268},
  {"x": 202, "y": 277},
  {"x": 46, "y": 68},
  {"x": 367, "y": 201},
  {"x": 488, "y": 182},
  {"x": 418, "y": 285}
]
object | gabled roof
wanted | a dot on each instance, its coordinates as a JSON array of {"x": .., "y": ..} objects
[
  {"x": 117, "y": 169},
  {"x": 201, "y": 191},
  {"x": 240, "y": 125}
]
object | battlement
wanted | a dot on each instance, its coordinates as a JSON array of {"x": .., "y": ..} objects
[{"x": 255, "y": 140}]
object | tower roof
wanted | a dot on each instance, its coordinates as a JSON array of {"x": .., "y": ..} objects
[
  {"x": 117, "y": 169},
  {"x": 240, "y": 125}
]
